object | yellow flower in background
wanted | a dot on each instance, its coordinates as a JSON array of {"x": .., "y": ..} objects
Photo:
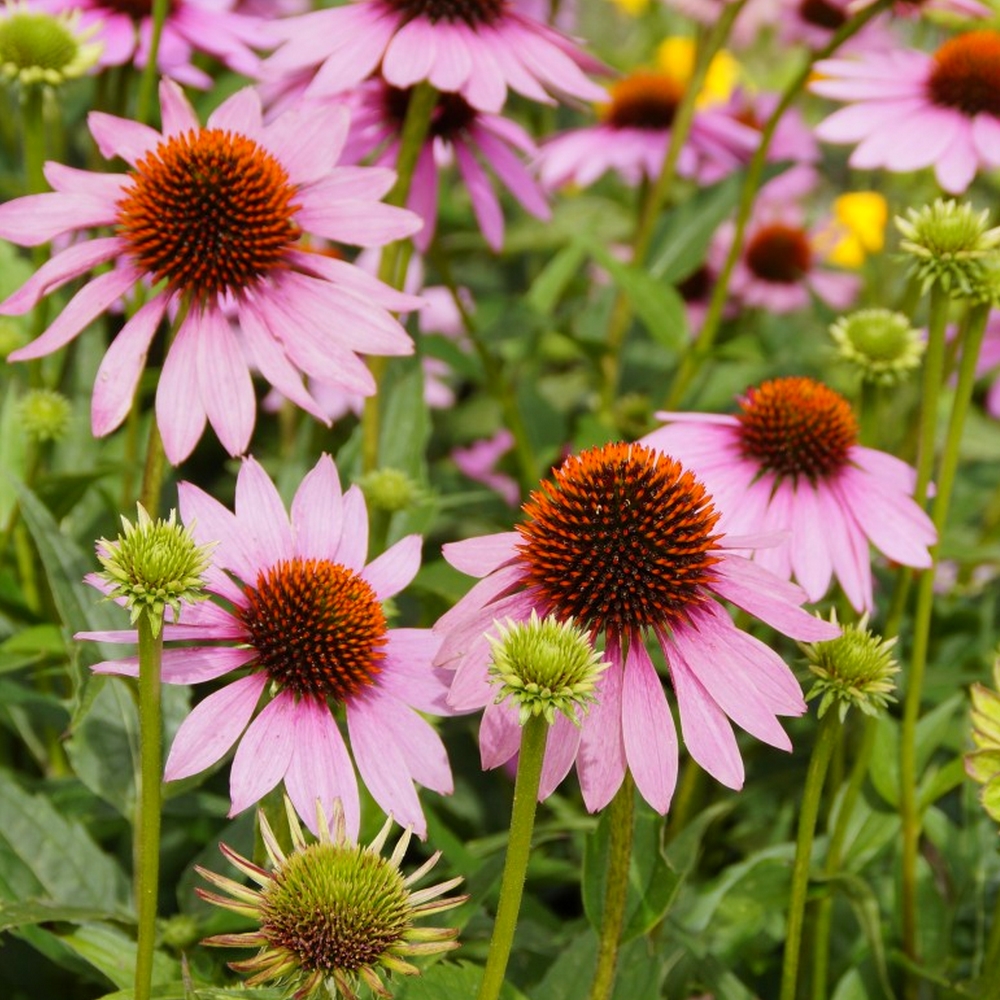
[
  {"x": 675, "y": 56},
  {"x": 857, "y": 229},
  {"x": 633, "y": 8}
]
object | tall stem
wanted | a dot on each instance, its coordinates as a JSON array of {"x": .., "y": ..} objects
[
  {"x": 991, "y": 962},
  {"x": 826, "y": 739},
  {"x": 702, "y": 345},
  {"x": 620, "y": 815},
  {"x": 423, "y": 99},
  {"x": 147, "y": 827},
  {"x": 656, "y": 196},
  {"x": 147, "y": 84},
  {"x": 908, "y": 777},
  {"x": 33, "y": 131},
  {"x": 522, "y": 823}
]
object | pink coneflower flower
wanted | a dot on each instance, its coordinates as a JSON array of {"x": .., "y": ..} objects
[
  {"x": 212, "y": 217},
  {"x": 910, "y": 109},
  {"x": 306, "y": 621},
  {"x": 457, "y": 133},
  {"x": 477, "y": 49},
  {"x": 790, "y": 462},
  {"x": 479, "y": 461},
  {"x": 623, "y": 540},
  {"x": 634, "y": 132},
  {"x": 209, "y": 26},
  {"x": 780, "y": 263},
  {"x": 814, "y": 23}
]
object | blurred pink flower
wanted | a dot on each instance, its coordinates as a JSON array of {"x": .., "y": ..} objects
[
  {"x": 297, "y": 312},
  {"x": 790, "y": 462},
  {"x": 623, "y": 540},
  {"x": 479, "y": 460},
  {"x": 477, "y": 49},
  {"x": 306, "y": 620},
  {"x": 209, "y": 26},
  {"x": 909, "y": 109}
]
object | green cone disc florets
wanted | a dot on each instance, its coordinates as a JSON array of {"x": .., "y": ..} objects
[
  {"x": 880, "y": 343},
  {"x": 37, "y": 47}
]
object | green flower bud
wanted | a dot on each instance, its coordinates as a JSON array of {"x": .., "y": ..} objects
[
  {"x": 44, "y": 414},
  {"x": 36, "y": 47},
  {"x": 390, "y": 490},
  {"x": 880, "y": 343},
  {"x": 983, "y": 763}
]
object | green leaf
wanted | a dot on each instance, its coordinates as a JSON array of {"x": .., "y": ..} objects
[
  {"x": 31, "y": 645},
  {"x": 34, "y": 912},
  {"x": 112, "y": 952},
  {"x": 547, "y": 289},
  {"x": 450, "y": 981},
  {"x": 656, "y": 303},
  {"x": 47, "y": 858},
  {"x": 940, "y": 781}
]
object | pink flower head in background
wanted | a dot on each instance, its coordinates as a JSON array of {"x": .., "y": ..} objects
[
  {"x": 208, "y": 26},
  {"x": 634, "y": 133},
  {"x": 623, "y": 540},
  {"x": 479, "y": 461},
  {"x": 908, "y": 109},
  {"x": 459, "y": 133},
  {"x": 211, "y": 217},
  {"x": 780, "y": 265},
  {"x": 790, "y": 462},
  {"x": 989, "y": 363},
  {"x": 306, "y": 620},
  {"x": 478, "y": 49}
]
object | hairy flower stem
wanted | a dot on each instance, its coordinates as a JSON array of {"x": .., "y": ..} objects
[
  {"x": 522, "y": 823},
  {"x": 621, "y": 819},
  {"x": 826, "y": 740},
  {"x": 392, "y": 265},
  {"x": 834, "y": 852},
  {"x": 147, "y": 827},
  {"x": 701, "y": 347},
  {"x": 656, "y": 196},
  {"x": 150, "y": 72},
  {"x": 908, "y": 777}
]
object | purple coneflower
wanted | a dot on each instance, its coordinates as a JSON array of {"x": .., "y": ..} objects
[
  {"x": 623, "y": 541},
  {"x": 790, "y": 462},
  {"x": 307, "y": 623},
  {"x": 211, "y": 217}
]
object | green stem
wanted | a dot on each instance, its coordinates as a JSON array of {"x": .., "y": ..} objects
[
  {"x": 150, "y": 72},
  {"x": 826, "y": 739},
  {"x": 656, "y": 195},
  {"x": 908, "y": 777},
  {"x": 620, "y": 815},
  {"x": 416, "y": 124},
  {"x": 701, "y": 347},
  {"x": 522, "y": 823},
  {"x": 33, "y": 130},
  {"x": 834, "y": 852},
  {"x": 991, "y": 963},
  {"x": 147, "y": 828}
]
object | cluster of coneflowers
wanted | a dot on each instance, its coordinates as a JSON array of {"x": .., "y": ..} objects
[{"x": 229, "y": 249}]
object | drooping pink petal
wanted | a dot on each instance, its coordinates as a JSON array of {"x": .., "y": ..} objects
[
  {"x": 180, "y": 413},
  {"x": 224, "y": 378},
  {"x": 484, "y": 199},
  {"x": 601, "y": 760},
  {"x": 407, "y": 672},
  {"x": 264, "y": 753},
  {"x": 499, "y": 734},
  {"x": 561, "y": 748},
  {"x": 213, "y": 726}
]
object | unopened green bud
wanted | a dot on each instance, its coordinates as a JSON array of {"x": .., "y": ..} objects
[
  {"x": 390, "y": 490},
  {"x": 44, "y": 414},
  {"x": 545, "y": 666},
  {"x": 983, "y": 763},
  {"x": 880, "y": 343},
  {"x": 37, "y": 47},
  {"x": 154, "y": 565}
]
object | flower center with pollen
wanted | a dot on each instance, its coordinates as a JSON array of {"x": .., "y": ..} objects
[
  {"x": 208, "y": 212},
  {"x": 472, "y": 12},
  {"x": 644, "y": 100},
  {"x": 966, "y": 74},
  {"x": 797, "y": 426},
  {"x": 620, "y": 540},
  {"x": 317, "y": 627},
  {"x": 779, "y": 253}
]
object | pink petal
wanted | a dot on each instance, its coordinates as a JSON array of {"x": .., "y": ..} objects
[
  {"x": 212, "y": 522},
  {"x": 601, "y": 760},
  {"x": 224, "y": 378},
  {"x": 484, "y": 200},
  {"x": 261, "y": 514},
  {"x": 407, "y": 672},
  {"x": 193, "y": 665},
  {"x": 213, "y": 726},
  {"x": 121, "y": 137},
  {"x": 356, "y": 281},
  {"x": 561, "y": 748},
  {"x": 264, "y": 753},
  {"x": 239, "y": 113},
  {"x": 180, "y": 413},
  {"x": 353, "y": 549},
  {"x": 395, "y": 568},
  {"x": 499, "y": 735},
  {"x": 39, "y": 218},
  {"x": 482, "y": 555},
  {"x": 362, "y": 223},
  {"x": 307, "y": 140},
  {"x": 409, "y": 56},
  {"x": 176, "y": 113},
  {"x": 317, "y": 512}
]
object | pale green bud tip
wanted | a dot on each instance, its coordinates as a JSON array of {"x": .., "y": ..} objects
[
  {"x": 983, "y": 763},
  {"x": 947, "y": 243},
  {"x": 44, "y": 414},
  {"x": 545, "y": 666},
  {"x": 880, "y": 343},
  {"x": 154, "y": 565},
  {"x": 37, "y": 47},
  {"x": 857, "y": 668},
  {"x": 331, "y": 915},
  {"x": 390, "y": 490}
]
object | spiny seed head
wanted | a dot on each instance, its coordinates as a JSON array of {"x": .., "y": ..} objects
[
  {"x": 390, "y": 490},
  {"x": 154, "y": 565},
  {"x": 40, "y": 48},
  {"x": 880, "y": 343},
  {"x": 545, "y": 666},
  {"x": 331, "y": 913},
  {"x": 947, "y": 243},
  {"x": 797, "y": 427},
  {"x": 620, "y": 540},
  {"x": 317, "y": 626},
  {"x": 44, "y": 414},
  {"x": 855, "y": 669},
  {"x": 983, "y": 763}
]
